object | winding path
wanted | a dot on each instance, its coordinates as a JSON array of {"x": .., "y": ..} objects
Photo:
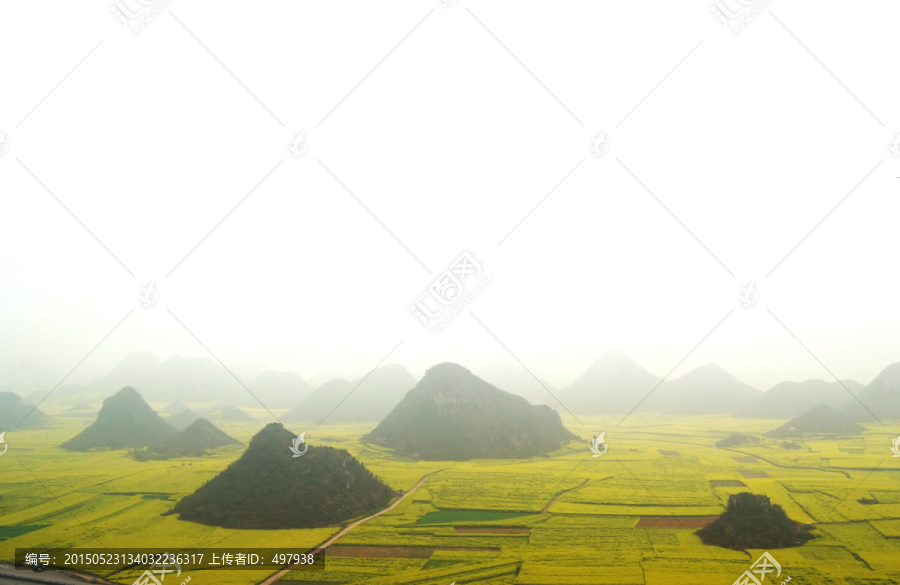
[{"x": 274, "y": 578}]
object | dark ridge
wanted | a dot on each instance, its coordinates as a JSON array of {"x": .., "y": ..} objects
[
  {"x": 125, "y": 420},
  {"x": 454, "y": 415},
  {"x": 822, "y": 420},
  {"x": 269, "y": 488},
  {"x": 198, "y": 437}
]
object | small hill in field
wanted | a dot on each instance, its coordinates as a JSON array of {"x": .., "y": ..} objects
[
  {"x": 735, "y": 440},
  {"x": 454, "y": 415},
  {"x": 822, "y": 420},
  {"x": 13, "y": 411},
  {"x": 197, "y": 438},
  {"x": 269, "y": 488},
  {"x": 232, "y": 413},
  {"x": 181, "y": 420},
  {"x": 125, "y": 420},
  {"x": 752, "y": 522}
]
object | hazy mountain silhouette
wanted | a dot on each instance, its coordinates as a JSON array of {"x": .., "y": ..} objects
[
  {"x": 193, "y": 441},
  {"x": 248, "y": 369},
  {"x": 789, "y": 399},
  {"x": 708, "y": 389},
  {"x": 199, "y": 378},
  {"x": 230, "y": 413},
  {"x": 268, "y": 488},
  {"x": 13, "y": 410},
  {"x": 182, "y": 419},
  {"x": 320, "y": 402},
  {"x": 175, "y": 407},
  {"x": 821, "y": 420},
  {"x": 515, "y": 379},
  {"x": 326, "y": 374},
  {"x": 373, "y": 398},
  {"x": 280, "y": 389},
  {"x": 752, "y": 521},
  {"x": 881, "y": 397},
  {"x": 454, "y": 415},
  {"x": 614, "y": 383},
  {"x": 125, "y": 420}
]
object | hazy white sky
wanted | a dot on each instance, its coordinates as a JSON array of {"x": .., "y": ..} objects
[{"x": 447, "y": 145}]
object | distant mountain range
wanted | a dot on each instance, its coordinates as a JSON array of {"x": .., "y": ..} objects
[
  {"x": 454, "y": 415},
  {"x": 787, "y": 399},
  {"x": 192, "y": 379},
  {"x": 373, "y": 398},
  {"x": 14, "y": 411},
  {"x": 614, "y": 384}
]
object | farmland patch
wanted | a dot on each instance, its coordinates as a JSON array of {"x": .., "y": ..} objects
[{"x": 674, "y": 522}]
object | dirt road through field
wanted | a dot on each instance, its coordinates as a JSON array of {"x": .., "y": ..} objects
[{"x": 274, "y": 578}]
